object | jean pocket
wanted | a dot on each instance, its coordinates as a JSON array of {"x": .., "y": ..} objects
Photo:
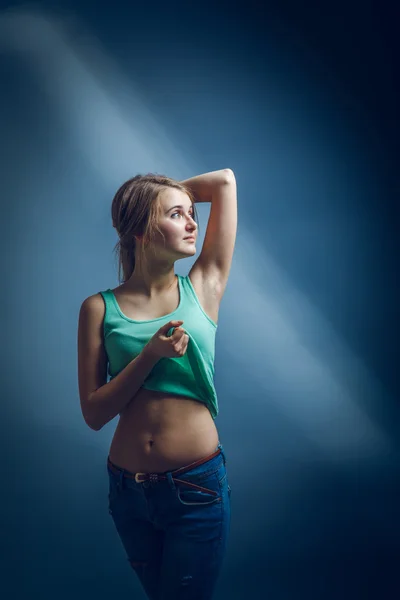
[{"x": 191, "y": 493}]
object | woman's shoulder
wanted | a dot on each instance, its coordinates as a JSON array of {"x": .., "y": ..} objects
[{"x": 93, "y": 303}]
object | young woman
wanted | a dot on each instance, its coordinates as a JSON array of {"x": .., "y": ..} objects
[{"x": 155, "y": 333}]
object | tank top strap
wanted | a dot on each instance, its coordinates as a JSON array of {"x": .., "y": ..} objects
[
  {"x": 111, "y": 315},
  {"x": 108, "y": 300}
]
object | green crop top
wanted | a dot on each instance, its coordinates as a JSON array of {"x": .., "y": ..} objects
[{"x": 190, "y": 375}]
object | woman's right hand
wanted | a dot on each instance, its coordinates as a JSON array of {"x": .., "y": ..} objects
[{"x": 173, "y": 346}]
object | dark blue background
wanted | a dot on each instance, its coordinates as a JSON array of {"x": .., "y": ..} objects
[{"x": 301, "y": 101}]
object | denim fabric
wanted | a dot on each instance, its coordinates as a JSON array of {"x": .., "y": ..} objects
[{"x": 175, "y": 536}]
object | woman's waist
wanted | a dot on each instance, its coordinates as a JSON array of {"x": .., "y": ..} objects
[{"x": 161, "y": 431}]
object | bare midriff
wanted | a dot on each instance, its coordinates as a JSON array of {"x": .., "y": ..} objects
[{"x": 160, "y": 432}]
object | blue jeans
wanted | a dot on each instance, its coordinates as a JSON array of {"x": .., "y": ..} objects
[{"x": 174, "y": 534}]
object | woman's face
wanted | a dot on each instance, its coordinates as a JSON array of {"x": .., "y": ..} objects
[{"x": 176, "y": 222}]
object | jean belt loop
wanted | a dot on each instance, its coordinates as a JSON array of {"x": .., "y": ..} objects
[
  {"x": 222, "y": 452},
  {"x": 120, "y": 483},
  {"x": 170, "y": 480}
]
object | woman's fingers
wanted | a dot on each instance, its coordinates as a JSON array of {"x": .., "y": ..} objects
[
  {"x": 181, "y": 345},
  {"x": 177, "y": 335}
]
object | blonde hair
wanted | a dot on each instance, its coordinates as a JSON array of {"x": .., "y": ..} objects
[{"x": 135, "y": 210}]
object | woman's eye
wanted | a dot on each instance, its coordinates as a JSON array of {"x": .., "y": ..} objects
[{"x": 178, "y": 213}]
